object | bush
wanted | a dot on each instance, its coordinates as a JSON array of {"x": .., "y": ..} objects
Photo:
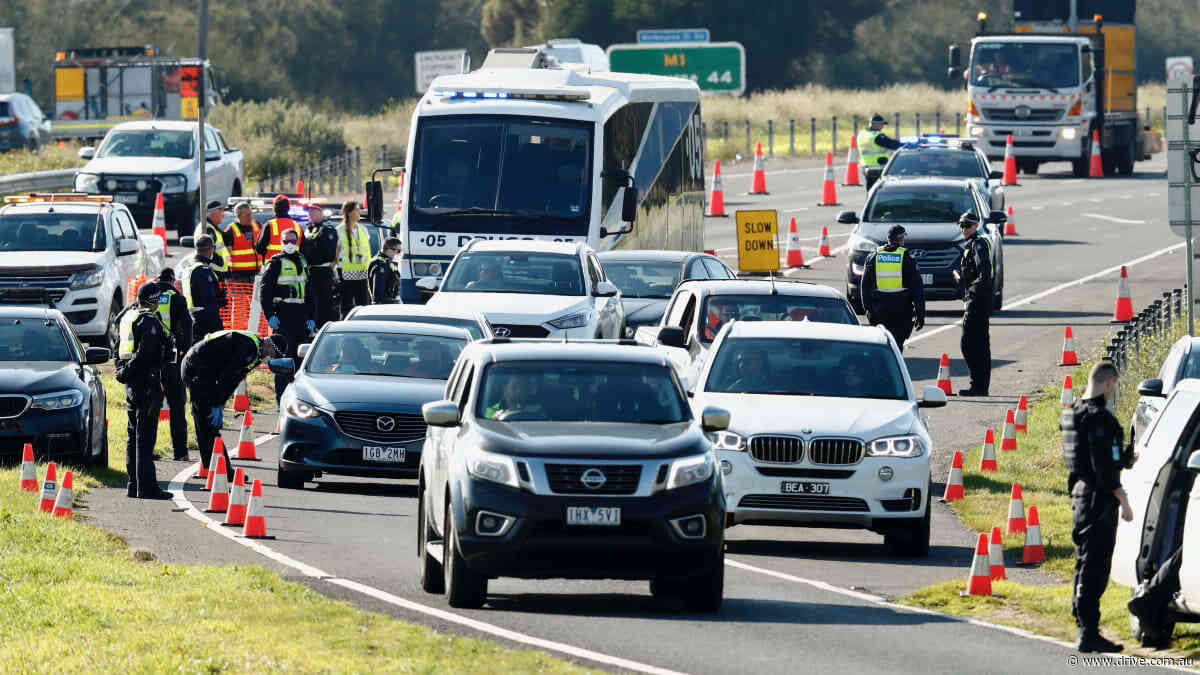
[{"x": 278, "y": 135}]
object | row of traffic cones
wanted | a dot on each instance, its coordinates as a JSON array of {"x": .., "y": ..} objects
[
  {"x": 758, "y": 184},
  {"x": 1122, "y": 313},
  {"x": 232, "y": 500},
  {"x": 1095, "y": 161},
  {"x": 57, "y": 500},
  {"x": 988, "y": 563}
]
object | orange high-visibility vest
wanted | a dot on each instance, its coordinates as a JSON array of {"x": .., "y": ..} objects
[
  {"x": 278, "y": 227},
  {"x": 242, "y": 257}
]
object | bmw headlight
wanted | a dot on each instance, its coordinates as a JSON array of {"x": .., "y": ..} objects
[
  {"x": 173, "y": 183},
  {"x": 87, "y": 182},
  {"x": 727, "y": 440},
  {"x": 896, "y": 446},
  {"x": 571, "y": 321},
  {"x": 89, "y": 278},
  {"x": 58, "y": 400},
  {"x": 492, "y": 467},
  {"x": 297, "y": 408},
  {"x": 690, "y": 471}
]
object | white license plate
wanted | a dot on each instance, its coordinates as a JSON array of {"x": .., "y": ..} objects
[
  {"x": 803, "y": 487},
  {"x": 375, "y": 453},
  {"x": 126, "y": 199},
  {"x": 927, "y": 279},
  {"x": 593, "y": 515}
]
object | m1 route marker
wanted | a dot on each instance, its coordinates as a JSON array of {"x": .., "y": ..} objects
[
  {"x": 758, "y": 240},
  {"x": 717, "y": 67}
]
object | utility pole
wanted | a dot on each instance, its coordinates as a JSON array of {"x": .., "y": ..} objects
[{"x": 202, "y": 50}]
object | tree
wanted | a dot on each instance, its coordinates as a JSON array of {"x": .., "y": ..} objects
[{"x": 511, "y": 22}]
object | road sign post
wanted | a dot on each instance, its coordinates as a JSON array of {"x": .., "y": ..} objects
[
  {"x": 428, "y": 65},
  {"x": 717, "y": 67},
  {"x": 1181, "y": 118},
  {"x": 758, "y": 240}
]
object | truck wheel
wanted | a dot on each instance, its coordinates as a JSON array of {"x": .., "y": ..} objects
[
  {"x": 1124, "y": 160},
  {"x": 432, "y": 579},
  {"x": 911, "y": 540},
  {"x": 1079, "y": 167},
  {"x": 464, "y": 588}
]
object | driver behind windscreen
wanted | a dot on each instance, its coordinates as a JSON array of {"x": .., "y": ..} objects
[{"x": 517, "y": 400}]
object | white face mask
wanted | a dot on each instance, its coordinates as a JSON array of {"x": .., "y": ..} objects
[{"x": 289, "y": 248}]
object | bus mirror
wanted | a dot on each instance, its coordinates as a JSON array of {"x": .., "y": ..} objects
[
  {"x": 954, "y": 58},
  {"x": 629, "y": 205},
  {"x": 374, "y": 190}
]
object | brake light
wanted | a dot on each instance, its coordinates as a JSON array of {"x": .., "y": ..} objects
[
  {"x": 1076, "y": 109},
  {"x": 971, "y": 110},
  {"x": 11, "y": 123}
]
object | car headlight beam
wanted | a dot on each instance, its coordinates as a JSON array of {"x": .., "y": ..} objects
[
  {"x": 896, "y": 446},
  {"x": 58, "y": 400},
  {"x": 690, "y": 470},
  {"x": 727, "y": 440}
]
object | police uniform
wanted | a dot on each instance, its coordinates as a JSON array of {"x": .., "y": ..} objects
[
  {"x": 204, "y": 297},
  {"x": 382, "y": 280},
  {"x": 892, "y": 292},
  {"x": 354, "y": 256},
  {"x": 173, "y": 312},
  {"x": 320, "y": 249},
  {"x": 873, "y": 144},
  {"x": 141, "y": 353},
  {"x": 284, "y": 295},
  {"x": 220, "y": 259},
  {"x": 975, "y": 275}
]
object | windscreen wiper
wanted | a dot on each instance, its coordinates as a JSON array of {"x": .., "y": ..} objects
[{"x": 477, "y": 211}]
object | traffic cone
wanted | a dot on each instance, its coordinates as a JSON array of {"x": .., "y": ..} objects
[
  {"x": 828, "y": 189},
  {"x": 245, "y": 449},
  {"x": 256, "y": 522},
  {"x": 1096, "y": 164},
  {"x": 1010, "y": 162},
  {"x": 64, "y": 502},
  {"x": 954, "y": 484},
  {"x": 1016, "y": 511},
  {"x": 49, "y": 487},
  {"x": 987, "y": 457},
  {"x": 823, "y": 244},
  {"x": 158, "y": 225},
  {"x": 236, "y": 513},
  {"x": 795, "y": 257},
  {"x": 1021, "y": 420},
  {"x": 1033, "y": 551},
  {"x": 996, "y": 555},
  {"x": 241, "y": 401},
  {"x": 218, "y": 498},
  {"x": 28, "y": 470},
  {"x": 300, "y": 188},
  {"x": 218, "y": 451},
  {"x": 943, "y": 378},
  {"x": 1068, "y": 393},
  {"x": 759, "y": 185},
  {"x": 203, "y": 472},
  {"x": 980, "y": 582},
  {"x": 716, "y": 198},
  {"x": 1008, "y": 439},
  {"x": 1123, "y": 310},
  {"x": 852, "y": 160},
  {"x": 1069, "y": 358},
  {"x": 1010, "y": 225}
]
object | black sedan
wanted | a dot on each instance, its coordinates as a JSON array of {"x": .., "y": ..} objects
[
  {"x": 648, "y": 278},
  {"x": 354, "y": 407},
  {"x": 50, "y": 391}
]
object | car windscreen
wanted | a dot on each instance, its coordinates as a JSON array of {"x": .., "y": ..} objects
[
  {"x": 32, "y": 340},
  {"x": 512, "y": 272},
  {"x": 1045, "y": 65},
  {"x": 950, "y": 164},
  {"x": 899, "y": 205},
  {"x": 580, "y": 391},
  {"x": 806, "y": 367},
  {"x": 51, "y": 232},
  {"x": 721, "y": 309},
  {"x": 387, "y": 354},
  {"x": 147, "y": 143},
  {"x": 469, "y": 325},
  {"x": 643, "y": 279}
]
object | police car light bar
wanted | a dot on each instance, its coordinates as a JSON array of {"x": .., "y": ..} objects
[
  {"x": 56, "y": 197},
  {"x": 525, "y": 94}
]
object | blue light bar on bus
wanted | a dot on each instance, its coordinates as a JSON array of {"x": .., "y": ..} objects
[{"x": 524, "y": 94}]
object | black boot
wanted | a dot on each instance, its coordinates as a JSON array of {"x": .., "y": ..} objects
[{"x": 1093, "y": 641}]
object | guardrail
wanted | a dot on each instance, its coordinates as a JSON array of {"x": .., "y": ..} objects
[
  {"x": 37, "y": 181},
  {"x": 1153, "y": 321}
]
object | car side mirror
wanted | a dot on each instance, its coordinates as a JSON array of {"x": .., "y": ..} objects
[
  {"x": 430, "y": 284},
  {"x": 282, "y": 366},
  {"x": 95, "y": 356},
  {"x": 996, "y": 175},
  {"x": 1151, "y": 387},
  {"x": 881, "y": 160},
  {"x": 303, "y": 350},
  {"x": 847, "y": 218},
  {"x": 374, "y": 190},
  {"x": 87, "y": 152},
  {"x": 714, "y": 419},
  {"x": 440, "y": 414},
  {"x": 997, "y": 217},
  {"x": 932, "y": 397},
  {"x": 187, "y": 242},
  {"x": 128, "y": 246},
  {"x": 212, "y": 155},
  {"x": 1194, "y": 461},
  {"x": 606, "y": 289},
  {"x": 671, "y": 336}
]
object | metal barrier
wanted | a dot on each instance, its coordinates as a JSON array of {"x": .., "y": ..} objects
[
  {"x": 1154, "y": 321},
  {"x": 38, "y": 181}
]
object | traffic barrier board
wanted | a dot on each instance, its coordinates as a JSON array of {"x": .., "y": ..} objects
[
  {"x": 758, "y": 240},
  {"x": 717, "y": 67}
]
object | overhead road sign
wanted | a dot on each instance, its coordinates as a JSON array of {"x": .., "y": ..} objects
[
  {"x": 758, "y": 240},
  {"x": 442, "y": 62},
  {"x": 717, "y": 67},
  {"x": 674, "y": 35}
]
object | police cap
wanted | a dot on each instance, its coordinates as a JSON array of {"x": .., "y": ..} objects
[
  {"x": 895, "y": 232},
  {"x": 214, "y": 204},
  {"x": 968, "y": 219},
  {"x": 878, "y": 119},
  {"x": 148, "y": 294}
]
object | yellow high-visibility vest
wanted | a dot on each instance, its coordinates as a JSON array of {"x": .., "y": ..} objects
[{"x": 889, "y": 270}]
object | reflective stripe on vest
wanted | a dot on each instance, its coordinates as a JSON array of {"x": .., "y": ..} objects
[
  {"x": 164, "y": 308},
  {"x": 293, "y": 277},
  {"x": 188, "y": 270},
  {"x": 278, "y": 227},
  {"x": 219, "y": 252},
  {"x": 253, "y": 336},
  {"x": 357, "y": 258},
  {"x": 242, "y": 257},
  {"x": 868, "y": 150},
  {"x": 889, "y": 270}
]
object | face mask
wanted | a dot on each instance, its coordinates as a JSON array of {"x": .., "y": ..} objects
[{"x": 289, "y": 248}]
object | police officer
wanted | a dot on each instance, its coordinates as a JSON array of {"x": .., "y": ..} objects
[
  {"x": 382, "y": 278},
  {"x": 211, "y": 226},
  {"x": 891, "y": 288},
  {"x": 1095, "y": 452},
  {"x": 354, "y": 255},
  {"x": 320, "y": 249},
  {"x": 143, "y": 349},
  {"x": 286, "y": 302},
  {"x": 974, "y": 276},
  {"x": 203, "y": 292},
  {"x": 173, "y": 312},
  {"x": 212, "y": 370},
  {"x": 874, "y": 144}
]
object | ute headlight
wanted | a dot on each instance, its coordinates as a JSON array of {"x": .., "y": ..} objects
[
  {"x": 87, "y": 278},
  {"x": 864, "y": 245},
  {"x": 571, "y": 321},
  {"x": 297, "y": 408},
  {"x": 896, "y": 446},
  {"x": 1068, "y": 133},
  {"x": 690, "y": 471},
  {"x": 87, "y": 182},
  {"x": 58, "y": 400},
  {"x": 727, "y": 440},
  {"x": 173, "y": 183},
  {"x": 976, "y": 132},
  {"x": 493, "y": 468}
]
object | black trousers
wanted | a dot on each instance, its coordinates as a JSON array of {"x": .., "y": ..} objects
[
  {"x": 1163, "y": 586},
  {"x": 204, "y": 323},
  {"x": 292, "y": 327},
  {"x": 203, "y": 401},
  {"x": 893, "y": 311},
  {"x": 976, "y": 343},
  {"x": 323, "y": 285},
  {"x": 354, "y": 294},
  {"x": 143, "y": 399},
  {"x": 176, "y": 397},
  {"x": 1095, "y": 536}
]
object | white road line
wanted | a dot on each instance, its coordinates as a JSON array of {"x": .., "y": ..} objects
[
  {"x": 1095, "y": 200},
  {"x": 176, "y": 487},
  {"x": 1068, "y": 203},
  {"x": 1036, "y": 208},
  {"x": 1123, "y": 221},
  {"x": 1151, "y": 194},
  {"x": 802, "y": 208}
]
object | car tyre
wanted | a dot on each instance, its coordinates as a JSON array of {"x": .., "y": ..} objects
[
  {"x": 289, "y": 480},
  {"x": 911, "y": 539},
  {"x": 464, "y": 588},
  {"x": 432, "y": 574},
  {"x": 113, "y": 334},
  {"x": 1125, "y": 159},
  {"x": 707, "y": 591}
]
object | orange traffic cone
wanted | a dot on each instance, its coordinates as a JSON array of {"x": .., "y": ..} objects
[
  {"x": 158, "y": 225},
  {"x": 852, "y": 160},
  {"x": 49, "y": 487},
  {"x": 1096, "y": 163},
  {"x": 1010, "y": 162},
  {"x": 218, "y": 498},
  {"x": 1123, "y": 310},
  {"x": 987, "y": 457},
  {"x": 954, "y": 483},
  {"x": 236, "y": 513},
  {"x": 256, "y": 522},
  {"x": 1010, "y": 225},
  {"x": 1069, "y": 358},
  {"x": 217, "y": 452},
  {"x": 203, "y": 472},
  {"x": 64, "y": 502},
  {"x": 759, "y": 185},
  {"x": 996, "y": 555},
  {"x": 795, "y": 257},
  {"x": 1021, "y": 420},
  {"x": 241, "y": 401},
  {"x": 1033, "y": 551},
  {"x": 28, "y": 470},
  {"x": 300, "y": 188},
  {"x": 1068, "y": 393},
  {"x": 943, "y": 378},
  {"x": 1008, "y": 439},
  {"x": 1016, "y": 511},
  {"x": 980, "y": 582},
  {"x": 716, "y": 198},
  {"x": 823, "y": 244},
  {"x": 245, "y": 449},
  {"x": 828, "y": 189}
]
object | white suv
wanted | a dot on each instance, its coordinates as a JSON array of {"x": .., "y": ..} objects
[
  {"x": 533, "y": 289},
  {"x": 826, "y": 429}
]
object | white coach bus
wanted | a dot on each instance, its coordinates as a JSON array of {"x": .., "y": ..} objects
[{"x": 521, "y": 149}]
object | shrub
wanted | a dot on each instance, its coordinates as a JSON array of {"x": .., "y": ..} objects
[{"x": 278, "y": 135}]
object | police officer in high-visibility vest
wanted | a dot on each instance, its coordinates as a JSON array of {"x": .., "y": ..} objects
[
  {"x": 212, "y": 369},
  {"x": 873, "y": 144},
  {"x": 354, "y": 256},
  {"x": 142, "y": 350},
  {"x": 172, "y": 310},
  {"x": 382, "y": 278},
  {"x": 286, "y": 302},
  {"x": 974, "y": 277},
  {"x": 320, "y": 249},
  {"x": 270, "y": 239},
  {"x": 240, "y": 238},
  {"x": 204, "y": 295},
  {"x": 891, "y": 288},
  {"x": 212, "y": 227}
]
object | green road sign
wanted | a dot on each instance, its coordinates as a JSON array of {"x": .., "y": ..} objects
[{"x": 718, "y": 67}]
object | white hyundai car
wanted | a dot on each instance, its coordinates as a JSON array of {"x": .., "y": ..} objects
[
  {"x": 532, "y": 289},
  {"x": 826, "y": 431}
]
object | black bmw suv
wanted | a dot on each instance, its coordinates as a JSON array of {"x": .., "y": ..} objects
[{"x": 574, "y": 461}]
